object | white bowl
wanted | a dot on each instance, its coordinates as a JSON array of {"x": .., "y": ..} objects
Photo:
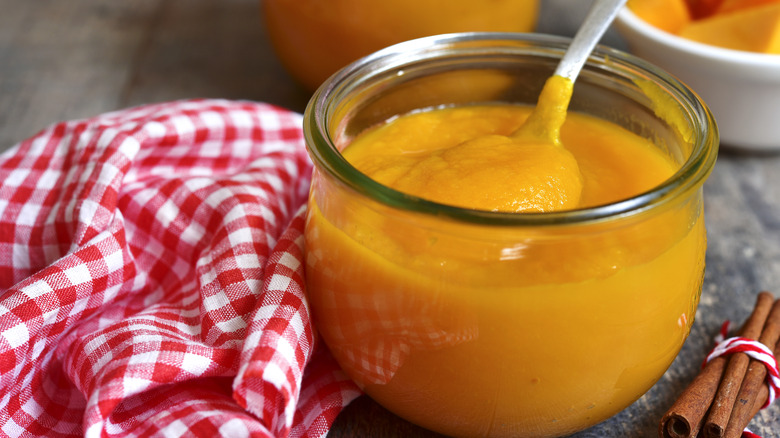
[{"x": 741, "y": 88}]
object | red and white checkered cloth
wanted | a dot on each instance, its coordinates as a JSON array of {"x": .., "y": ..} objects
[{"x": 151, "y": 278}]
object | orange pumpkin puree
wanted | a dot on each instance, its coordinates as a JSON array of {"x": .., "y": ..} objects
[{"x": 473, "y": 330}]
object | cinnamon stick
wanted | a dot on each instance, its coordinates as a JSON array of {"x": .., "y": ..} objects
[
  {"x": 748, "y": 396},
  {"x": 734, "y": 374},
  {"x": 684, "y": 419}
]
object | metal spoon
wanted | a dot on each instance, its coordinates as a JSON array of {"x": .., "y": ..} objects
[{"x": 596, "y": 23}]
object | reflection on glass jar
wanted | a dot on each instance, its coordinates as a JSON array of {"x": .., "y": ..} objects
[
  {"x": 478, "y": 323},
  {"x": 314, "y": 38}
]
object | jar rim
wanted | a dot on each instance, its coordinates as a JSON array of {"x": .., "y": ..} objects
[{"x": 326, "y": 156}]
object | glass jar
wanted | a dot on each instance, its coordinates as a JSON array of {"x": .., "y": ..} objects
[
  {"x": 478, "y": 323},
  {"x": 314, "y": 38}
]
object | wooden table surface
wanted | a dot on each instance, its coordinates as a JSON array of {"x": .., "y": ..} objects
[{"x": 62, "y": 60}]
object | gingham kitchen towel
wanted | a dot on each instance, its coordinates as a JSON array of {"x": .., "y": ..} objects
[{"x": 151, "y": 278}]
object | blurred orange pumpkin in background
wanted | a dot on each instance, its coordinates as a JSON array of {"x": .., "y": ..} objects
[{"x": 315, "y": 38}]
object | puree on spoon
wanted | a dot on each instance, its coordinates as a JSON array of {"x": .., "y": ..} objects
[{"x": 527, "y": 170}]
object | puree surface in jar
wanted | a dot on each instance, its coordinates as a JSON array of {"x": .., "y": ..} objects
[{"x": 473, "y": 330}]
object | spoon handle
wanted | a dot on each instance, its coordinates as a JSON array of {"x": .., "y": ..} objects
[{"x": 596, "y": 23}]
